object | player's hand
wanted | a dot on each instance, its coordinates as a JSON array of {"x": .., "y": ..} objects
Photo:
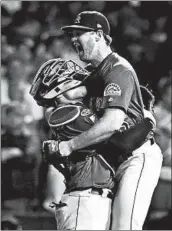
[
  {"x": 50, "y": 148},
  {"x": 64, "y": 148}
]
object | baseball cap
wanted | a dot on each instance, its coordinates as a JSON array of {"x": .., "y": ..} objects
[{"x": 89, "y": 20}]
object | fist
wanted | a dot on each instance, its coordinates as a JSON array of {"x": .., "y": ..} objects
[{"x": 50, "y": 148}]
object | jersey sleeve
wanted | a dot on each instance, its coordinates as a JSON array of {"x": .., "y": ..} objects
[{"x": 119, "y": 87}]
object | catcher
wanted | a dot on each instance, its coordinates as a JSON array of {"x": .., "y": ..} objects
[{"x": 89, "y": 174}]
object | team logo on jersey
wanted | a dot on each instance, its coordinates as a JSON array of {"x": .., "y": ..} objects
[
  {"x": 112, "y": 89},
  {"x": 86, "y": 112}
]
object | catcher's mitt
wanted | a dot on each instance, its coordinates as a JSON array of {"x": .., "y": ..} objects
[
  {"x": 129, "y": 140},
  {"x": 55, "y": 77}
]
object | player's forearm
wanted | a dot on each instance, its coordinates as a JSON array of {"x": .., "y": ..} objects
[
  {"x": 93, "y": 136},
  {"x": 100, "y": 132}
]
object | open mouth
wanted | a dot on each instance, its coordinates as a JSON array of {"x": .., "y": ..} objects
[{"x": 78, "y": 48}]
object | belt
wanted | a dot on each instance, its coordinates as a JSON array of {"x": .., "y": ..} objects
[{"x": 94, "y": 191}]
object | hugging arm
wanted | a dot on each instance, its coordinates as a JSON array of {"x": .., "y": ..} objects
[{"x": 99, "y": 132}]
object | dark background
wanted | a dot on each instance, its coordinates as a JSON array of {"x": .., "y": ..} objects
[{"x": 30, "y": 35}]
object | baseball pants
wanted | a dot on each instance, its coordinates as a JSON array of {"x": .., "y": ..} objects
[
  {"x": 136, "y": 179},
  {"x": 82, "y": 210}
]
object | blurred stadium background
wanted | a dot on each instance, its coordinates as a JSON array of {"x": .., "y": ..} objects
[{"x": 30, "y": 35}]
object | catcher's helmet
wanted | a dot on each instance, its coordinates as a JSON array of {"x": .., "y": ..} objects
[{"x": 55, "y": 77}]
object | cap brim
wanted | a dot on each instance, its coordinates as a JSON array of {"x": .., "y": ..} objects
[{"x": 73, "y": 27}]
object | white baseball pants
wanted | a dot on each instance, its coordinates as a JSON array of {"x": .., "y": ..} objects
[
  {"x": 83, "y": 211},
  {"x": 136, "y": 179}
]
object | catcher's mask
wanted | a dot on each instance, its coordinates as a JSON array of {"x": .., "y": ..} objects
[{"x": 55, "y": 77}]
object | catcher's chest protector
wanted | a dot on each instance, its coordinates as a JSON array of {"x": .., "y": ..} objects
[{"x": 73, "y": 124}]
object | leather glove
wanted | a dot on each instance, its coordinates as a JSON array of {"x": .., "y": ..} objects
[{"x": 51, "y": 152}]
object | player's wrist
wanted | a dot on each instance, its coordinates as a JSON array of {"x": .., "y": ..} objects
[
  {"x": 72, "y": 145},
  {"x": 65, "y": 148}
]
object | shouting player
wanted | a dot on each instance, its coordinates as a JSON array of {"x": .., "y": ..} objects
[{"x": 113, "y": 88}]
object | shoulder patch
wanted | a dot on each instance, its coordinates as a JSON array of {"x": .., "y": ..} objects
[
  {"x": 112, "y": 89},
  {"x": 86, "y": 112}
]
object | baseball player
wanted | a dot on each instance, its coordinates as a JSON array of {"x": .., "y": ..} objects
[
  {"x": 113, "y": 89},
  {"x": 86, "y": 203},
  {"x": 69, "y": 119}
]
